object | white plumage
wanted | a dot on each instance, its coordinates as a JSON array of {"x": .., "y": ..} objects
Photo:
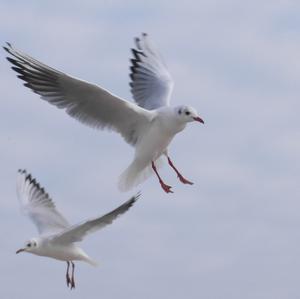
[
  {"x": 57, "y": 237},
  {"x": 149, "y": 125}
]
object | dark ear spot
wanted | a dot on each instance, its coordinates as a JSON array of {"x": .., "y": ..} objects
[{"x": 179, "y": 111}]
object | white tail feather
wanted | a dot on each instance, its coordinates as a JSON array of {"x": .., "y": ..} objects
[
  {"x": 91, "y": 261},
  {"x": 135, "y": 174}
]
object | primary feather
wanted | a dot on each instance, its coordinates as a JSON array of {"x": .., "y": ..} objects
[
  {"x": 41, "y": 209},
  {"x": 88, "y": 103},
  {"x": 77, "y": 232},
  {"x": 38, "y": 205},
  {"x": 151, "y": 83}
]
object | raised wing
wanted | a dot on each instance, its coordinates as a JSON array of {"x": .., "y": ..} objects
[
  {"x": 151, "y": 84},
  {"x": 89, "y": 103},
  {"x": 38, "y": 205},
  {"x": 77, "y": 232}
]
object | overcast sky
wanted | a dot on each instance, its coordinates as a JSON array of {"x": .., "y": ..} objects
[{"x": 235, "y": 232}]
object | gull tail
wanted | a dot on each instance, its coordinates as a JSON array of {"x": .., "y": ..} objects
[
  {"x": 90, "y": 261},
  {"x": 82, "y": 256},
  {"x": 135, "y": 174}
]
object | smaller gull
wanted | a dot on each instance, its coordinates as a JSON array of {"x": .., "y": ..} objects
[
  {"x": 57, "y": 237},
  {"x": 149, "y": 124}
]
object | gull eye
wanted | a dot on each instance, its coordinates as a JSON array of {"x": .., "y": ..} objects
[
  {"x": 28, "y": 245},
  {"x": 187, "y": 113}
]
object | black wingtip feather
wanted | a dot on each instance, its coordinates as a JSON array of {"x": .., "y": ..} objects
[
  {"x": 135, "y": 198},
  {"x": 136, "y": 60},
  {"x": 28, "y": 176},
  {"x": 27, "y": 85},
  {"x": 22, "y": 171},
  {"x": 11, "y": 60},
  {"x": 128, "y": 204},
  {"x": 137, "y": 54},
  {"x": 17, "y": 69},
  {"x": 138, "y": 195},
  {"x": 6, "y": 48},
  {"x": 31, "y": 180},
  {"x": 14, "y": 62}
]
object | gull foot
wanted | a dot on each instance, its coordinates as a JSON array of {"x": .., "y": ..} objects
[
  {"x": 166, "y": 188},
  {"x": 184, "y": 180},
  {"x": 68, "y": 280}
]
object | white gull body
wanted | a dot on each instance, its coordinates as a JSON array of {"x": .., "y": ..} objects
[
  {"x": 149, "y": 125},
  {"x": 57, "y": 237}
]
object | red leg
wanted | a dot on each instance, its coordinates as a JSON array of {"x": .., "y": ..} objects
[
  {"x": 72, "y": 278},
  {"x": 179, "y": 175},
  {"x": 67, "y": 274},
  {"x": 165, "y": 187}
]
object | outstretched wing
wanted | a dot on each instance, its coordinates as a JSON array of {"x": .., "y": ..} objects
[
  {"x": 88, "y": 103},
  {"x": 38, "y": 205},
  {"x": 151, "y": 84},
  {"x": 77, "y": 232}
]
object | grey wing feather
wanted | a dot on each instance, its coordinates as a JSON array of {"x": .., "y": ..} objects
[
  {"x": 151, "y": 84},
  {"x": 86, "y": 102},
  {"x": 38, "y": 205},
  {"x": 77, "y": 232}
]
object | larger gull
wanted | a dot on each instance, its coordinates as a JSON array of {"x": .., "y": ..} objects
[
  {"x": 57, "y": 237},
  {"x": 149, "y": 125}
]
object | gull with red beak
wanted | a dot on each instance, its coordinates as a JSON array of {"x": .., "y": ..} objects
[
  {"x": 57, "y": 237},
  {"x": 149, "y": 124}
]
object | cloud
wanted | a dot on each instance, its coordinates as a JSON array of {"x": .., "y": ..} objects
[{"x": 232, "y": 234}]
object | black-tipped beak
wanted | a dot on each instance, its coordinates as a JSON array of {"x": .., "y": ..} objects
[
  {"x": 20, "y": 250},
  {"x": 200, "y": 120}
]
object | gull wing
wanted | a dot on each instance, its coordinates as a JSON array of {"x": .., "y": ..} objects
[
  {"x": 86, "y": 102},
  {"x": 37, "y": 204},
  {"x": 151, "y": 83},
  {"x": 77, "y": 232}
]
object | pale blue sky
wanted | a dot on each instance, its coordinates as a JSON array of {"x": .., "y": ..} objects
[{"x": 235, "y": 233}]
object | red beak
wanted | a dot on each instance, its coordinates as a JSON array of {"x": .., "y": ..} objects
[
  {"x": 20, "y": 250},
  {"x": 200, "y": 120}
]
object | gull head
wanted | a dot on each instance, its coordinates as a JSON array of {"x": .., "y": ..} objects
[
  {"x": 187, "y": 114},
  {"x": 30, "y": 246}
]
